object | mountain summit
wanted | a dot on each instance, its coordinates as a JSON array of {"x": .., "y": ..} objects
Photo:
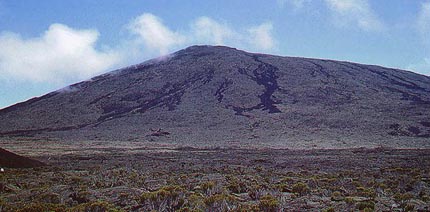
[{"x": 215, "y": 95}]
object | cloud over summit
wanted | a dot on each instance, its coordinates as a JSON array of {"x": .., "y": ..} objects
[
  {"x": 63, "y": 54},
  {"x": 154, "y": 34}
]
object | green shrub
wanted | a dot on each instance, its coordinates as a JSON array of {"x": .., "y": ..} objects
[
  {"x": 248, "y": 208},
  {"x": 365, "y": 204},
  {"x": 268, "y": 203},
  {"x": 337, "y": 196},
  {"x": 166, "y": 198},
  {"x": 287, "y": 180},
  {"x": 188, "y": 209},
  {"x": 255, "y": 192},
  {"x": 366, "y": 192},
  {"x": 408, "y": 207},
  {"x": 99, "y": 206},
  {"x": 403, "y": 197},
  {"x": 37, "y": 207},
  {"x": 208, "y": 187},
  {"x": 300, "y": 188},
  {"x": 330, "y": 209},
  {"x": 236, "y": 186},
  {"x": 49, "y": 198},
  {"x": 82, "y": 196},
  {"x": 283, "y": 187},
  {"x": 220, "y": 202},
  {"x": 196, "y": 201},
  {"x": 349, "y": 200},
  {"x": 367, "y": 210}
]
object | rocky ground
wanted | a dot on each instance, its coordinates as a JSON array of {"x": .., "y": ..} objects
[{"x": 188, "y": 179}]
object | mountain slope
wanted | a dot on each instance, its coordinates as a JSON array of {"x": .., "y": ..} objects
[
  {"x": 11, "y": 160},
  {"x": 206, "y": 95}
]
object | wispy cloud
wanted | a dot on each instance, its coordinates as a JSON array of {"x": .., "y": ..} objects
[
  {"x": 157, "y": 36},
  {"x": 423, "y": 22},
  {"x": 207, "y": 30},
  {"x": 154, "y": 34},
  {"x": 261, "y": 36},
  {"x": 59, "y": 53},
  {"x": 356, "y": 12}
]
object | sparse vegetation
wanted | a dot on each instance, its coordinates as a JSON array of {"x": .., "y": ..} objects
[{"x": 193, "y": 181}]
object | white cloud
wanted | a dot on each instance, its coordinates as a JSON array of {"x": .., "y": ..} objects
[
  {"x": 207, "y": 30},
  {"x": 261, "y": 36},
  {"x": 60, "y": 54},
  {"x": 154, "y": 34},
  {"x": 357, "y": 12},
  {"x": 156, "y": 37},
  {"x": 203, "y": 30},
  {"x": 423, "y": 22}
]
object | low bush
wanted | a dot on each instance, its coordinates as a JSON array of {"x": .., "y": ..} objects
[
  {"x": 300, "y": 188},
  {"x": 268, "y": 203}
]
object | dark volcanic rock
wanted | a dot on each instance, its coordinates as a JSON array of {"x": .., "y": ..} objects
[
  {"x": 11, "y": 160},
  {"x": 206, "y": 95}
]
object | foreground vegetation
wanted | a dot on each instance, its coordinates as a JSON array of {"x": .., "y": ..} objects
[{"x": 224, "y": 180}]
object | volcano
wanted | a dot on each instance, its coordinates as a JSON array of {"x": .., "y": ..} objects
[{"x": 216, "y": 95}]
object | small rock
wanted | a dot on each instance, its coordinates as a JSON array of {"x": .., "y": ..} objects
[
  {"x": 360, "y": 199},
  {"x": 337, "y": 198}
]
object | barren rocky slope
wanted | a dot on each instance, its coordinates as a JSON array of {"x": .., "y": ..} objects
[
  {"x": 214, "y": 95},
  {"x": 11, "y": 160}
]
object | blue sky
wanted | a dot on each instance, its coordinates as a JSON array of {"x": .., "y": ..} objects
[{"x": 48, "y": 44}]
